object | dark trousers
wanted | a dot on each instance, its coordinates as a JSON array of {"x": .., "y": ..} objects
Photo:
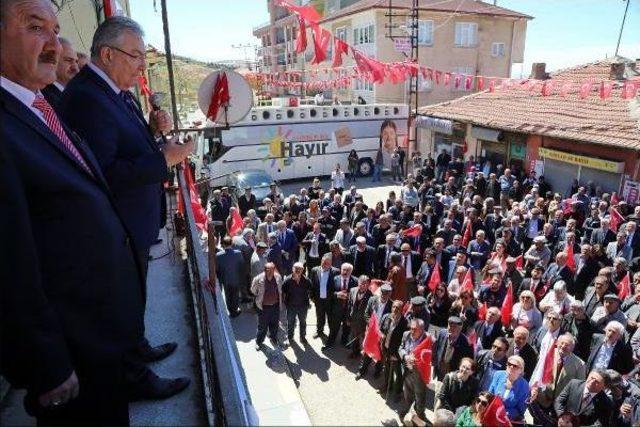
[
  {"x": 414, "y": 390},
  {"x": 268, "y": 319},
  {"x": 392, "y": 374},
  {"x": 232, "y": 296},
  {"x": 299, "y": 312},
  {"x": 336, "y": 320},
  {"x": 322, "y": 314},
  {"x": 102, "y": 401},
  {"x": 366, "y": 362}
]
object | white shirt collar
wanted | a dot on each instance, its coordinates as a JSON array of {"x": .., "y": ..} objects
[
  {"x": 104, "y": 77},
  {"x": 59, "y": 85},
  {"x": 23, "y": 94}
]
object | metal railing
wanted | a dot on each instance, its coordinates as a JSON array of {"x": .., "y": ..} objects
[{"x": 228, "y": 401}]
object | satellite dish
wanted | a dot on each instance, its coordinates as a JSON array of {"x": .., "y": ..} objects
[{"x": 241, "y": 97}]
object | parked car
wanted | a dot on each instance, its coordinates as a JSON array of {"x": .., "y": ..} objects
[{"x": 257, "y": 179}]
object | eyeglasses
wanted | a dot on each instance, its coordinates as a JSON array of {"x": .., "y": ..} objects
[
  {"x": 513, "y": 365},
  {"x": 483, "y": 402},
  {"x": 138, "y": 57}
]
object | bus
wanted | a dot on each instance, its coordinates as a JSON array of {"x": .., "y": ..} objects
[{"x": 304, "y": 141}]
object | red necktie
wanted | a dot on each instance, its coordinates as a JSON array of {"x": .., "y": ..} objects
[
  {"x": 56, "y": 127},
  {"x": 344, "y": 284}
]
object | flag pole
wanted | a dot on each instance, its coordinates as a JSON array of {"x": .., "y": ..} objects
[{"x": 169, "y": 57}]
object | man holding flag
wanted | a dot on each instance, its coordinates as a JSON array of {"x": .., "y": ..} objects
[{"x": 414, "y": 388}]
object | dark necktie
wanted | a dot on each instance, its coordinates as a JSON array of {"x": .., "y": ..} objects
[{"x": 132, "y": 106}]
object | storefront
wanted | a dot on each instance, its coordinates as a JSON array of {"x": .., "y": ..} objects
[
  {"x": 561, "y": 168},
  {"x": 445, "y": 135},
  {"x": 501, "y": 147}
]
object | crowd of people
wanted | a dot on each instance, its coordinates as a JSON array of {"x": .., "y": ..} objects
[{"x": 526, "y": 295}]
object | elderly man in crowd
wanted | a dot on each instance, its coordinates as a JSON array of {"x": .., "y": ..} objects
[{"x": 66, "y": 70}]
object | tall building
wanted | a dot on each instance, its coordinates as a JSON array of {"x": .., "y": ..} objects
[{"x": 458, "y": 36}]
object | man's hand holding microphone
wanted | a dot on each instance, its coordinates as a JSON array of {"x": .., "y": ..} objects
[{"x": 174, "y": 152}]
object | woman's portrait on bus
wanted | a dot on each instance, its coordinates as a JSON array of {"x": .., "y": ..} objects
[{"x": 388, "y": 135}]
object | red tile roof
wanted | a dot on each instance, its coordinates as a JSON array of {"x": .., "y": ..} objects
[
  {"x": 613, "y": 121},
  {"x": 458, "y": 6}
]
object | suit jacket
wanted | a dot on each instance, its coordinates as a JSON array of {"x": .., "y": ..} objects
[
  {"x": 125, "y": 148},
  {"x": 71, "y": 266},
  {"x": 416, "y": 262},
  {"x": 530, "y": 357},
  {"x": 369, "y": 260},
  {"x": 323, "y": 245},
  {"x": 462, "y": 348},
  {"x": 232, "y": 267},
  {"x": 374, "y": 304},
  {"x": 572, "y": 368},
  {"x": 600, "y": 237},
  {"x": 396, "y": 335},
  {"x": 554, "y": 273},
  {"x": 315, "y": 282},
  {"x": 612, "y": 251},
  {"x": 356, "y": 310},
  {"x": 340, "y": 306},
  {"x": 245, "y": 205},
  {"x": 381, "y": 257},
  {"x": 596, "y": 413},
  {"x": 487, "y": 340},
  {"x": 53, "y": 95},
  {"x": 262, "y": 233},
  {"x": 621, "y": 358}
]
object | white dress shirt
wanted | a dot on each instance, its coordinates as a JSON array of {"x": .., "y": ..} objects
[
  {"x": 104, "y": 77},
  {"x": 24, "y": 95}
]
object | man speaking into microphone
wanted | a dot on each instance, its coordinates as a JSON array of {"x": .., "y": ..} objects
[{"x": 99, "y": 106}]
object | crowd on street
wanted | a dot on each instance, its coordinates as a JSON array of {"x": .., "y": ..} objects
[{"x": 528, "y": 295}]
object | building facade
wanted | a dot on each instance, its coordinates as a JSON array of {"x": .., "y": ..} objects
[{"x": 467, "y": 37}]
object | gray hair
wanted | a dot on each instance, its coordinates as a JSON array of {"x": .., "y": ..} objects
[
  {"x": 65, "y": 42},
  {"x": 109, "y": 32},
  {"x": 444, "y": 418}
]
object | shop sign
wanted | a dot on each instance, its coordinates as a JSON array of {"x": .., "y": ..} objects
[
  {"x": 402, "y": 44},
  {"x": 537, "y": 166},
  {"x": 485, "y": 134},
  {"x": 518, "y": 151},
  {"x": 439, "y": 125},
  {"x": 575, "y": 159},
  {"x": 631, "y": 192}
]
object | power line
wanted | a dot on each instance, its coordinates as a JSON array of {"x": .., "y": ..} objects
[{"x": 622, "y": 25}]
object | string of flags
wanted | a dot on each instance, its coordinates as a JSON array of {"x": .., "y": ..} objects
[{"x": 370, "y": 69}]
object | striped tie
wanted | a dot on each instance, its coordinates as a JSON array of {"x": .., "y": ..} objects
[{"x": 56, "y": 127}]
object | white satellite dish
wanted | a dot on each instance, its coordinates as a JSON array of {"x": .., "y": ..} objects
[{"x": 240, "y": 102}]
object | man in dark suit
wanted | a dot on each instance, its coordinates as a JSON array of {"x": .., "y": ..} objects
[
  {"x": 322, "y": 279},
  {"x": 246, "y": 202},
  {"x": 489, "y": 329},
  {"x": 362, "y": 257},
  {"x": 339, "y": 296},
  {"x": 70, "y": 287},
  {"x": 356, "y": 313},
  {"x": 491, "y": 360},
  {"x": 603, "y": 235},
  {"x": 450, "y": 346},
  {"x": 586, "y": 399},
  {"x": 383, "y": 255},
  {"x": 67, "y": 68},
  {"x": 557, "y": 271},
  {"x": 522, "y": 348},
  {"x": 315, "y": 244},
  {"x": 610, "y": 351},
  {"x": 380, "y": 306},
  {"x": 98, "y": 105},
  {"x": 230, "y": 274},
  {"x": 289, "y": 244},
  {"x": 586, "y": 271}
]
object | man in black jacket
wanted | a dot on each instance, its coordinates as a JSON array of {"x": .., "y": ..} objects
[
  {"x": 489, "y": 361},
  {"x": 610, "y": 351},
  {"x": 587, "y": 399},
  {"x": 246, "y": 202},
  {"x": 67, "y": 68},
  {"x": 381, "y": 306},
  {"x": 322, "y": 278},
  {"x": 296, "y": 289},
  {"x": 523, "y": 349}
]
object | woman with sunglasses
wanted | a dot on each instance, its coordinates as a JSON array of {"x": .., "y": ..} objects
[
  {"x": 512, "y": 387},
  {"x": 466, "y": 308},
  {"x": 525, "y": 313},
  {"x": 458, "y": 388},
  {"x": 439, "y": 303},
  {"x": 472, "y": 415}
]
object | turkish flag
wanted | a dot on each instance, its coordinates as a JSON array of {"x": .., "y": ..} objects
[
  {"x": 220, "y": 96},
  {"x": 321, "y": 39},
  {"x": 629, "y": 90},
  {"x": 467, "y": 234},
  {"x": 571, "y": 261},
  {"x": 615, "y": 219},
  {"x": 369, "y": 65},
  {"x": 565, "y": 88},
  {"x": 519, "y": 261},
  {"x": 467, "y": 282},
  {"x": 507, "y": 307},
  {"x": 482, "y": 311},
  {"x": 236, "y": 223},
  {"x": 472, "y": 338},
  {"x": 585, "y": 88},
  {"x": 547, "y": 87},
  {"x": 422, "y": 354},
  {"x": 413, "y": 231},
  {"x": 468, "y": 82},
  {"x": 438, "y": 76},
  {"x": 492, "y": 85},
  {"x": 199, "y": 213},
  {"x": 624, "y": 287},
  {"x": 339, "y": 48},
  {"x": 371, "y": 343},
  {"x": 374, "y": 285},
  {"x": 480, "y": 82},
  {"x": 605, "y": 89},
  {"x": 301, "y": 41},
  {"x": 495, "y": 415},
  {"x": 435, "y": 279},
  {"x": 549, "y": 363},
  {"x": 447, "y": 78}
]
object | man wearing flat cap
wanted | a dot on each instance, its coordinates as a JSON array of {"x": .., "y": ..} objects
[{"x": 450, "y": 347}]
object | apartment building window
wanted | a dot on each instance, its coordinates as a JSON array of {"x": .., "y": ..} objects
[
  {"x": 463, "y": 72},
  {"x": 362, "y": 85},
  {"x": 466, "y": 34},
  {"x": 425, "y": 33},
  {"x": 341, "y": 33},
  {"x": 424, "y": 85},
  {"x": 497, "y": 49},
  {"x": 364, "y": 34}
]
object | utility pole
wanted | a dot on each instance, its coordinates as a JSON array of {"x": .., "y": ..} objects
[
  {"x": 622, "y": 25},
  {"x": 167, "y": 51}
]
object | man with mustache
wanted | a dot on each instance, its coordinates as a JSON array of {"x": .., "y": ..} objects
[
  {"x": 71, "y": 300},
  {"x": 66, "y": 70}
]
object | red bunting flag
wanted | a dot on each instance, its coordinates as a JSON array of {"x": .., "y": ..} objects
[
  {"x": 507, "y": 307},
  {"x": 571, "y": 261},
  {"x": 447, "y": 78},
  {"x": 321, "y": 39},
  {"x": 549, "y": 363},
  {"x": 199, "y": 213},
  {"x": 301, "y": 41},
  {"x": 624, "y": 287},
  {"x": 468, "y": 82},
  {"x": 413, "y": 231},
  {"x": 369, "y": 65},
  {"x": 585, "y": 88},
  {"x": 423, "y": 70},
  {"x": 236, "y": 223},
  {"x": 422, "y": 359},
  {"x": 371, "y": 343},
  {"x": 467, "y": 282},
  {"x": 605, "y": 90},
  {"x": 615, "y": 219},
  {"x": 492, "y": 85},
  {"x": 566, "y": 206},
  {"x": 435, "y": 279},
  {"x": 457, "y": 80},
  {"x": 144, "y": 87},
  {"x": 309, "y": 13},
  {"x": 547, "y": 87},
  {"x": 480, "y": 81},
  {"x": 339, "y": 48},
  {"x": 220, "y": 96},
  {"x": 438, "y": 76},
  {"x": 519, "y": 261},
  {"x": 629, "y": 90},
  {"x": 495, "y": 415},
  {"x": 565, "y": 88},
  {"x": 467, "y": 234},
  {"x": 482, "y": 311},
  {"x": 472, "y": 339}
]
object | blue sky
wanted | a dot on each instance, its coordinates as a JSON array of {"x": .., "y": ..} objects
[{"x": 563, "y": 33}]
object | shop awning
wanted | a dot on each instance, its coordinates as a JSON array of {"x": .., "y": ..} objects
[
  {"x": 439, "y": 125},
  {"x": 486, "y": 134}
]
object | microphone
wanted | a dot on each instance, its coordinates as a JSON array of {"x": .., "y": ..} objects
[{"x": 155, "y": 99}]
